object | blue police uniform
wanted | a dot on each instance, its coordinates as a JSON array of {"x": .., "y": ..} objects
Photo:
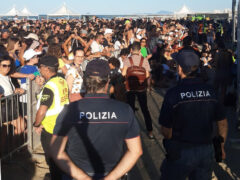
[
  {"x": 190, "y": 109},
  {"x": 96, "y": 127}
]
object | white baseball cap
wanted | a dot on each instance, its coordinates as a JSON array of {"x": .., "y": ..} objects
[
  {"x": 30, "y": 53},
  {"x": 108, "y": 31},
  {"x": 32, "y": 36},
  {"x": 34, "y": 45}
]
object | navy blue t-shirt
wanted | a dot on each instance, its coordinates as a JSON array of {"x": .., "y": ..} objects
[
  {"x": 96, "y": 127},
  {"x": 28, "y": 69},
  {"x": 190, "y": 109}
]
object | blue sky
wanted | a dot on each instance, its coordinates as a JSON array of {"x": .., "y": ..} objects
[{"x": 114, "y": 6}]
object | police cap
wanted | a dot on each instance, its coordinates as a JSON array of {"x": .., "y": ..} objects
[
  {"x": 97, "y": 67},
  {"x": 187, "y": 59}
]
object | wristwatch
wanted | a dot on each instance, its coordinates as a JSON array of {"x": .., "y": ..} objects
[{"x": 34, "y": 125}]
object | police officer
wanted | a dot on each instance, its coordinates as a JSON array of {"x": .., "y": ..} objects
[
  {"x": 51, "y": 100},
  {"x": 89, "y": 134},
  {"x": 186, "y": 120}
]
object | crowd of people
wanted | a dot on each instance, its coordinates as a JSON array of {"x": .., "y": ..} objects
[{"x": 79, "y": 62}]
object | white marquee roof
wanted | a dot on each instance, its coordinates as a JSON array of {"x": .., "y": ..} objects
[
  {"x": 12, "y": 12},
  {"x": 184, "y": 11},
  {"x": 25, "y": 12},
  {"x": 63, "y": 11}
]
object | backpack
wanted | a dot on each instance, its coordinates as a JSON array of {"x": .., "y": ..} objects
[{"x": 136, "y": 77}]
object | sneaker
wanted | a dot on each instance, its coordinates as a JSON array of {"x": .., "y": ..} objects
[{"x": 150, "y": 135}]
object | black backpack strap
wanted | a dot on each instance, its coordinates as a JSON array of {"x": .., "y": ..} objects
[
  {"x": 131, "y": 61},
  {"x": 141, "y": 62}
]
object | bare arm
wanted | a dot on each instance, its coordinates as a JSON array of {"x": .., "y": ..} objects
[
  {"x": 223, "y": 128},
  {"x": 64, "y": 70},
  {"x": 147, "y": 74},
  {"x": 21, "y": 52},
  {"x": 84, "y": 44},
  {"x": 149, "y": 56},
  {"x": 40, "y": 114},
  {"x": 134, "y": 151},
  {"x": 70, "y": 80},
  {"x": 166, "y": 132},
  {"x": 64, "y": 46},
  {"x": 66, "y": 61},
  {"x": 57, "y": 149},
  {"x": 124, "y": 71},
  {"x": 87, "y": 46},
  {"x": 222, "y": 131},
  {"x": 21, "y": 75}
]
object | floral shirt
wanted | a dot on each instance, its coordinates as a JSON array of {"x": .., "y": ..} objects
[{"x": 78, "y": 80}]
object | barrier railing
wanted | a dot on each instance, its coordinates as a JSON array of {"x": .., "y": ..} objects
[{"x": 17, "y": 113}]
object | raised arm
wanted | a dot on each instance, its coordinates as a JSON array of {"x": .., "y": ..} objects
[
  {"x": 83, "y": 42},
  {"x": 64, "y": 46}
]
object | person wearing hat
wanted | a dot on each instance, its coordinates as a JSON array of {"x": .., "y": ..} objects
[
  {"x": 89, "y": 134},
  {"x": 186, "y": 118},
  {"x": 32, "y": 36},
  {"x": 31, "y": 59},
  {"x": 107, "y": 43},
  {"x": 51, "y": 100}
]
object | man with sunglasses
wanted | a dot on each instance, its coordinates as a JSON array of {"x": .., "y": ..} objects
[{"x": 51, "y": 100}]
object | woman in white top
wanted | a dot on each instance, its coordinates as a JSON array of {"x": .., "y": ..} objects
[
  {"x": 74, "y": 76},
  {"x": 6, "y": 63}
]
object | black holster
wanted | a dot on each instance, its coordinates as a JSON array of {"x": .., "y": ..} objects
[{"x": 217, "y": 140}]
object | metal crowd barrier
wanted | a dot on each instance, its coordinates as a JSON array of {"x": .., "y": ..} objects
[{"x": 17, "y": 114}]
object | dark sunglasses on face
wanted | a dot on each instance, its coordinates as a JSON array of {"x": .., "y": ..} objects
[{"x": 5, "y": 65}]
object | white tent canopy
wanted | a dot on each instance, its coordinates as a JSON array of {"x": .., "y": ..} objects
[
  {"x": 12, "y": 12},
  {"x": 184, "y": 11},
  {"x": 25, "y": 12},
  {"x": 63, "y": 11}
]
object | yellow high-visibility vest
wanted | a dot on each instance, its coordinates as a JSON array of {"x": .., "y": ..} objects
[{"x": 59, "y": 87}]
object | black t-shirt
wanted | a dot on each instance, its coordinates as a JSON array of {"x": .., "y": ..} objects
[
  {"x": 116, "y": 77},
  {"x": 105, "y": 43},
  {"x": 96, "y": 127},
  {"x": 190, "y": 109}
]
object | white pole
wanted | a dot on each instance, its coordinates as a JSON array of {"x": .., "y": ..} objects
[
  {"x": 233, "y": 21},
  {"x": 238, "y": 65},
  {"x": 0, "y": 169}
]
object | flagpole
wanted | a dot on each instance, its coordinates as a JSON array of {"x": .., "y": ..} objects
[
  {"x": 238, "y": 65},
  {"x": 233, "y": 21}
]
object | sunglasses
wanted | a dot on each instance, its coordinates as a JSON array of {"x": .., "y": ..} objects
[{"x": 5, "y": 65}]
